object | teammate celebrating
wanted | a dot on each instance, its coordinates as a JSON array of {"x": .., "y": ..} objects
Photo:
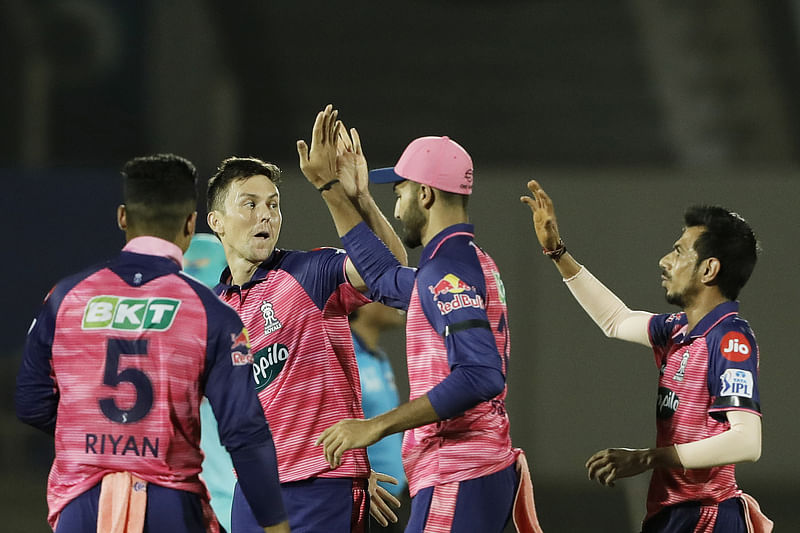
[
  {"x": 708, "y": 412},
  {"x": 457, "y": 454},
  {"x": 116, "y": 363},
  {"x": 295, "y": 305}
]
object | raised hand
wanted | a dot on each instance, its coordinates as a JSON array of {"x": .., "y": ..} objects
[
  {"x": 352, "y": 168},
  {"x": 544, "y": 216},
  {"x": 319, "y": 162}
]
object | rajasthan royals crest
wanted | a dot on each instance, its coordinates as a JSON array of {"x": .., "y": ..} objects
[{"x": 271, "y": 323}]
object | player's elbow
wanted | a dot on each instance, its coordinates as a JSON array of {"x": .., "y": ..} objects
[{"x": 488, "y": 384}]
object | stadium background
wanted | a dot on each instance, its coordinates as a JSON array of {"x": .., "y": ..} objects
[{"x": 626, "y": 111}]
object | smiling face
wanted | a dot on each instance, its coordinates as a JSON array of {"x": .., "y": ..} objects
[
  {"x": 680, "y": 275},
  {"x": 408, "y": 211},
  {"x": 250, "y": 222}
]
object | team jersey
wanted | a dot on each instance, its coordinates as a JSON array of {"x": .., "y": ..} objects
[
  {"x": 703, "y": 374},
  {"x": 304, "y": 368},
  {"x": 456, "y": 315},
  {"x": 457, "y": 321},
  {"x": 116, "y": 364}
]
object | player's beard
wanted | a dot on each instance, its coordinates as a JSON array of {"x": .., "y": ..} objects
[
  {"x": 413, "y": 222},
  {"x": 683, "y": 299}
]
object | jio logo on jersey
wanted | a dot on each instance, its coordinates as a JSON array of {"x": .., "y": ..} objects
[
  {"x": 735, "y": 347},
  {"x": 667, "y": 403},
  {"x": 268, "y": 363},
  {"x": 737, "y": 382}
]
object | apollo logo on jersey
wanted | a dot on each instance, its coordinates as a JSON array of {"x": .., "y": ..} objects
[
  {"x": 268, "y": 363},
  {"x": 737, "y": 382},
  {"x": 667, "y": 403},
  {"x": 130, "y": 314},
  {"x": 735, "y": 347}
]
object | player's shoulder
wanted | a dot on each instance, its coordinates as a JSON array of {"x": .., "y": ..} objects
[
  {"x": 732, "y": 335},
  {"x": 209, "y": 299},
  {"x": 66, "y": 284}
]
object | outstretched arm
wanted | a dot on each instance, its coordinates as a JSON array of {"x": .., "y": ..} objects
[
  {"x": 741, "y": 443},
  {"x": 608, "y": 312},
  {"x": 333, "y": 173}
]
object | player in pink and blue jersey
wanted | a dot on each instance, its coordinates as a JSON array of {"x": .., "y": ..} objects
[
  {"x": 115, "y": 366},
  {"x": 461, "y": 467},
  {"x": 295, "y": 306},
  {"x": 708, "y": 410}
]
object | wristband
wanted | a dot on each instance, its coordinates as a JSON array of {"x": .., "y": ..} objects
[
  {"x": 328, "y": 186},
  {"x": 556, "y": 254}
]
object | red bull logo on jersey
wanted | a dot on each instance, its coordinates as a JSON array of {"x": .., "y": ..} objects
[
  {"x": 129, "y": 314},
  {"x": 240, "y": 349},
  {"x": 450, "y": 284},
  {"x": 460, "y": 291},
  {"x": 737, "y": 382},
  {"x": 735, "y": 347}
]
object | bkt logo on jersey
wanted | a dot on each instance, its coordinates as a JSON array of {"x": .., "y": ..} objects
[
  {"x": 240, "y": 349},
  {"x": 735, "y": 347},
  {"x": 268, "y": 363},
  {"x": 737, "y": 382},
  {"x": 131, "y": 314}
]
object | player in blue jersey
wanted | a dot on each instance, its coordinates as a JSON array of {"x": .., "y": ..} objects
[
  {"x": 379, "y": 391},
  {"x": 204, "y": 260}
]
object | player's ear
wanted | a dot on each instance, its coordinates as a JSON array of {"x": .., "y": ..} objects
[
  {"x": 709, "y": 270},
  {"x": 426, "y": 196},
  {"x": 122, "y": 217},
  {"x": 214, "y": 221},
  {"x": 190, "y": 225}
]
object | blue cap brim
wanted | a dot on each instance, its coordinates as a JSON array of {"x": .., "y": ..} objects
[{"x": 384, "y": 175}]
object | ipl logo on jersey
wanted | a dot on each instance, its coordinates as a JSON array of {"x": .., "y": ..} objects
[
  {"x": 271, "y": 323},
  {"x": 737, "y": 382},
  {"x": 268, "y": 363}
]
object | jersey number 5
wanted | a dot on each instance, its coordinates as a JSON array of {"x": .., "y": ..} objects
[{"x": 112, "y": 377}]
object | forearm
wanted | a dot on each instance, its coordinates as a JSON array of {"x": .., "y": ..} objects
[
  {"x": 343, "y": 211},
  {"x": 604, "y": 307},
  {"x": 741, "y": 443},
  {"x": 416, "y": 413},
  {"x": 377, "y": 222},
  {"x": 257, "y": 469}
]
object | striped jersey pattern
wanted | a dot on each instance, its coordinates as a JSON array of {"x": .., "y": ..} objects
[
  {"x": 304, "y": 367},
  {"x": 701, "y": 377},
  {"x": 476, "y": 443}
]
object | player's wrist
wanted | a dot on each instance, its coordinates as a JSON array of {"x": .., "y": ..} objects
[{"x": 556, "y": 252}]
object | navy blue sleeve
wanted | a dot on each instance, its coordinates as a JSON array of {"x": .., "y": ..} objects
[
  {"x": 36, "y": 395},
  {"x": 243, "y": 429},
  {"x": 320, "y": 272},
  {"x": 733, "y": 369},
  {"x": 387, "y": 280},
  {"x": 661, "y": 327},
  {"x": 253, "y": 467},
  {"x": 453, "y": 296}
]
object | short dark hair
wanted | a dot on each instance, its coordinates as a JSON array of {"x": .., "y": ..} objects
[
  {"x": 159, "y": 192},
  {"x": 233, "y": 169},
  {"x": 729, "y": 238}
]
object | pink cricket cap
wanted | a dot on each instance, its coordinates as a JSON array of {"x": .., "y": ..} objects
[{"x": 439, "y": 162}]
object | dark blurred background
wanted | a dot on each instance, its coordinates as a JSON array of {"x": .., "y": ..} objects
[{"x": 626, "y": 111}]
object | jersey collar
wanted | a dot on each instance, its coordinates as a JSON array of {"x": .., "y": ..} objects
[
  {"x": 148, "y": 245},
  {"x": 714, "y": 317},
  {"x": 259, "y": 275},
  {"x": 434, "y": 244}
]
